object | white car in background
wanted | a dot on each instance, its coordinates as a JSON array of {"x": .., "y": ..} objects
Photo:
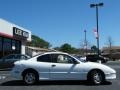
[{"x": 60, "y": 66}]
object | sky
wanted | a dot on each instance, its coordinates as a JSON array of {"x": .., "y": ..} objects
[{"x": 64, "y": 21}]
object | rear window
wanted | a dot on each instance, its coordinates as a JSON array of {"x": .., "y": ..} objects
[{"x": 44, "y": 58}]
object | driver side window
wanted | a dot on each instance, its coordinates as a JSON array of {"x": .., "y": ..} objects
[{"x": 61, "y": 58}]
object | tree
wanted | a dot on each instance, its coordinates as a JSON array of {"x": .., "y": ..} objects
[
  {"x": 66, "y": 48},
  {"x": 38, "y": 42},
  {"x": 109, "y": 44},
  {"x": 94, "y": 49},
  {"x": 84, "y": 47},
  {"x": 56, "y": 48}
]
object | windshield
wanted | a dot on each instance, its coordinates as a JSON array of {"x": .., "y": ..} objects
[{"x": 82, "y": 59}]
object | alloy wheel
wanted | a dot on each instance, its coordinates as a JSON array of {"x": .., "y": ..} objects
[{"x": 30, "y": 78}]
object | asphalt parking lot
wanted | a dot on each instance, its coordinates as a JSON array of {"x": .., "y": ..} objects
[{"x": 9, "y": 83}]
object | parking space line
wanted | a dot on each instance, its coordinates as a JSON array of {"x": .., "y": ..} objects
[{"x": 4, "y": 74}]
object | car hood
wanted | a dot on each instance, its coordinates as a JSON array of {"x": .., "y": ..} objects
[{"x": 105, "y": 68}]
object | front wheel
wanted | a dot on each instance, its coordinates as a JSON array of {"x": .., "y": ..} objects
[{"x": 96, "y": 77}]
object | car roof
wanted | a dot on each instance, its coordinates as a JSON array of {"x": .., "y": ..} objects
[
  {"x": 50, "y": 53},
  {"x": 55, "y": 53}
]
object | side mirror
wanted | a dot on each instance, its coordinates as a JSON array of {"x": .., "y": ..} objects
[{"x": 75, "y": 62}]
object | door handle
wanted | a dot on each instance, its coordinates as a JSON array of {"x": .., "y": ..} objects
[{"x": 53, "y": 65}]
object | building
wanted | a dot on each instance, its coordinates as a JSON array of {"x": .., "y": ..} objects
[
  {"x": 32, "y": 51},
  {"x": 112, "y": 49},
  {"x": 12, "y": 38},
  {"x": 112, "y": 52}
]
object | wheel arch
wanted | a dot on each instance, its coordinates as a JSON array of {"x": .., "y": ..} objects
[
  {"x": 99, "y": 70},
  {"x": 30, "y": 70}
]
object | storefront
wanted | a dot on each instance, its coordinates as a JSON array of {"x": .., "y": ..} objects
[{"x": 12, "y": 38}]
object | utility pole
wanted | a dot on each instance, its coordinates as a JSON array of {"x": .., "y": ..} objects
[
  {"x": 96, "y": 6},
  {"x": 85, "y": 43}
]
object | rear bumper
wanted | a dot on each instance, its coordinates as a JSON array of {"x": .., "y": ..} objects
[{"x": 16, "y": 74}]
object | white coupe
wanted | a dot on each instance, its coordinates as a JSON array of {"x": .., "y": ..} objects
[{"x": 60, "y": 66}]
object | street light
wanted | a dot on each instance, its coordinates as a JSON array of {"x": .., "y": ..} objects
[{"x": 96, "y": 6}]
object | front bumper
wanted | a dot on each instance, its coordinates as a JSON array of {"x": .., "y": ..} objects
[{"x": 110, "y": 76}]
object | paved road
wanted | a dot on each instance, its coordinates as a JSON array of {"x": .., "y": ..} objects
[{"x": 8, "y": 83}]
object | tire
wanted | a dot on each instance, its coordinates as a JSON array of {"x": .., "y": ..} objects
[
  {"x": 96, "y": 77},
  {"x": 30, "y": 77}
]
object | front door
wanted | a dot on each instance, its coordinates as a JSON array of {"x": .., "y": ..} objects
[{"x": 64, "y": 68}]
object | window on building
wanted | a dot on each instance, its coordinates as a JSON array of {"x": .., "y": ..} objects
[
  {"x": 7, "y": 48},
  {"x": 18, "y": 46},
  {"x": 13, "y": 45}
]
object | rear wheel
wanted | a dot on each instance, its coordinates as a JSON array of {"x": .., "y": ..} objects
[
  {"x": 96, "y": 77},
  {"x": 30, "y": 78}
]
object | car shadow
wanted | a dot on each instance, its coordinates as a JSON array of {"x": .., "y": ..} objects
[{"x": 44, "y": 83}]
